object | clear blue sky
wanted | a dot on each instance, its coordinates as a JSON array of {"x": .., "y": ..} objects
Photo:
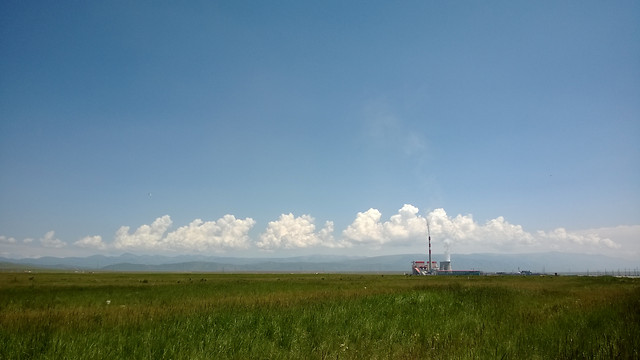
[{"x": 522, "y": 117}]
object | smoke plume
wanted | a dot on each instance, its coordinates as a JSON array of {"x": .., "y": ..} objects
[{"x": 447, "y": 249}]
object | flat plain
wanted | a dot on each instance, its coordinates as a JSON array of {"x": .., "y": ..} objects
[{"x": 316, "y": 316}]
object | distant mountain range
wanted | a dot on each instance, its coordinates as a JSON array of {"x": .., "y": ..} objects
[{"x": 551, "y": 262}]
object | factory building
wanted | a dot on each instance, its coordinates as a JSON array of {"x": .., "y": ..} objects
[
  {"x": 431, "y": 267},
  {"x": 422, "y": 267}
]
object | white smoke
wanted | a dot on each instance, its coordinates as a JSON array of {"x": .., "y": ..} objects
[{"x": 447, "y": 249}]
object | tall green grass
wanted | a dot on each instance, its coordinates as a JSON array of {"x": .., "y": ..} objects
[{"x": 217, "y": 316}]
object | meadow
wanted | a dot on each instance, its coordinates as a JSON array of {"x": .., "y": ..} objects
[{"x": 316, "y": 316}]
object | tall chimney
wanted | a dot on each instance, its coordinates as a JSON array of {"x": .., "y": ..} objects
[{"x": 429, "y": 235}]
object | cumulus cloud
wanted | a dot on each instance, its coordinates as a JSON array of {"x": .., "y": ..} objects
[
  {"x": 94, "y": 242},
  {"x": 463, "y": 229},
  {"x": 368, "y": 231},
  {"x": 326, "y": 235},
  {"x": 50, "y": 241},
  {"x": 222, "y": 234},
  {"x": 7, "y": 240},
  {"x": 497, "y": 234},
  {"x": 145, "y": 237},
  {"x": 366, "y": 228},
  {"x": 625, "y": 238},
  {"x": 406, "y": 224},
  {"x": 402, "y": 227},
  {"x": 290, "y": 232},
  {"x": 463, "y": 233},
  {"x": 589, "y": 239}
]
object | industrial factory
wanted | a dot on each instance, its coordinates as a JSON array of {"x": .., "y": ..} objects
[{"x": 431, "y": 267}]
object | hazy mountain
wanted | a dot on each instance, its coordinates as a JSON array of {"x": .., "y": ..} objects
[{"x": 540, "y": 262}]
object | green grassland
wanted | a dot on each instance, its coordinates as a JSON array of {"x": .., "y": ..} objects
[{"x": 316, "y": 316}]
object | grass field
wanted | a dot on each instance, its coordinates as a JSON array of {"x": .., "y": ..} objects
[{"x": 325, "y": 316}]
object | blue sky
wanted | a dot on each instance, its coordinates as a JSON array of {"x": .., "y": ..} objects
[{"x": 255, "y": 128}]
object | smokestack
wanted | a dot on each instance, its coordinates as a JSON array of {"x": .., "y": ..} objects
[{"x": 429, "y": 235}]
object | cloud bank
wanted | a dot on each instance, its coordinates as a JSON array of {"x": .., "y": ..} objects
[
  {"x": 222, "y": 234},
  {"x": 369, "y": 232},
  {"x": 403, "y": 227},
  {"x": 290, "y": 232}
]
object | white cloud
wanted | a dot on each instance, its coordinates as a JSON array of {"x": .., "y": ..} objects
[
  {"x": 406, "y": 226},
  {"x": 225, "y": 233},
  {"x": 560, "y": 236},
  {"x": 91, "y": 242},
  {"x": 145, "y": 237},
  {"x": 51, "y": 242},
  {"x": 290, "y": 232},
  {"x": 503, "y": 232},
  {"x": 326, "y": 235},
  {"x": 366, "y": 228},
  {"x": 7, "y": 240},
  {"x": 499, "y": 235},
  {"x": 461, "y": 233},
  {"x": 463, "y": 229},
  {"x": 459, "y": 228},
  {"x": 625, "y": 238},
  {"x": 368, "y": 231}
]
